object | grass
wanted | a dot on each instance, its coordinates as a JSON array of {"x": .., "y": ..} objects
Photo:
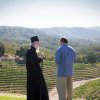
[
  {"x": 10, "y": 98},
  {"x": 89, "y": 91}
]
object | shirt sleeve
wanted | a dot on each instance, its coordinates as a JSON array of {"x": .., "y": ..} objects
[
  {"x": 57, "y": 56},
  {"x": 75, "y": 59}
]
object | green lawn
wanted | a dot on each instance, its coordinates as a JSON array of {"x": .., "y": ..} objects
[
  {"x": 89, "y": 91},
  {"x": 10, "y": 98}
]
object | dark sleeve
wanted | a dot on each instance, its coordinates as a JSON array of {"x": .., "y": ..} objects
[{"x": 33, "y": 58}]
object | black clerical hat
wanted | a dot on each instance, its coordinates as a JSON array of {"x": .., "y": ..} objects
[{"x": 34, "y": 38}]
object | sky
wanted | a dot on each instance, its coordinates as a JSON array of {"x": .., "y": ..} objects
[{"x": 50, "y": 13}]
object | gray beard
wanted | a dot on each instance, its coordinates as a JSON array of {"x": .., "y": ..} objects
[{"x": 37, "y": 50}]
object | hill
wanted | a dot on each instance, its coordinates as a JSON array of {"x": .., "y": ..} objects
[
  {"x": 91, "y": 33},
  {"x": 49, "y": 37}
]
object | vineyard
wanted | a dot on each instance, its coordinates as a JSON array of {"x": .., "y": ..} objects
[
  {"x": 13, "y": 76},
  {"x": 90, "y": 91}
]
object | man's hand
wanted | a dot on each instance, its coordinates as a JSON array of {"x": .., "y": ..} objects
[{"x": 40, "y": 59}]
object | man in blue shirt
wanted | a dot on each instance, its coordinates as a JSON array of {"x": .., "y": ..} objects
[{"x": 65, "y": 57}]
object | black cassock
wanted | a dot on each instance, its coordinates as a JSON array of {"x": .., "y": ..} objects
[{"x": 36, "y": 86}]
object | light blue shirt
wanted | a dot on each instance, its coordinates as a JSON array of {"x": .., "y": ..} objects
[{"x": 65, "y": 57}]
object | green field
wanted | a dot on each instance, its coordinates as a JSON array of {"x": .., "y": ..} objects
[
  {"x": 89, "y": 91},
  {"x": 10, "y": 98}
]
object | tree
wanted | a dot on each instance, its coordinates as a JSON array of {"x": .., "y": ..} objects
[
  {"x": 48, "y": 55},
  {"x": 2, "y": 49},
  {"x": 97, "y": 54},
  {"x": 91, "y": 57},
  {"x": 81, "y": 59},
  {"x": 21, "y": 52}
]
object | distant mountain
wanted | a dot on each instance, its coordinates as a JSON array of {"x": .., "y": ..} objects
[
  {"x": 18, "y": 33},
  {"x": 92, "y": 33},
  {"x": 96, "y": 28},
  {"x": 23, "y": 35},
  {"x": 49, "y": 34}
]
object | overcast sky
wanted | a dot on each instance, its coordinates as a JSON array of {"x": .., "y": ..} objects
[{"x": 50, "y": 13}]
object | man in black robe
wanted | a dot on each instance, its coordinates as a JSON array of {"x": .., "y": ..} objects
[{"x": 36, "y": 86}]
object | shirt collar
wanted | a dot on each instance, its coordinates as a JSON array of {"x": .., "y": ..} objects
[{"x": 65, "y": 44}]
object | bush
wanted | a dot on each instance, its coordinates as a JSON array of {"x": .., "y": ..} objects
[{"x": 2, "y": 49}]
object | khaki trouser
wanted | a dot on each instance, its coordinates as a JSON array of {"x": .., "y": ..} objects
[{"x": 64, "y": 87}]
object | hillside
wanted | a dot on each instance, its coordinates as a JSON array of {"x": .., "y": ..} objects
[
  {"x": 49, "y": 37},
  {"x": 91, "y": 33},
  {"x": 9, "y": 32},
  {"x": 19, "y": 33},
  {"x": 22, "y": 35}
]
